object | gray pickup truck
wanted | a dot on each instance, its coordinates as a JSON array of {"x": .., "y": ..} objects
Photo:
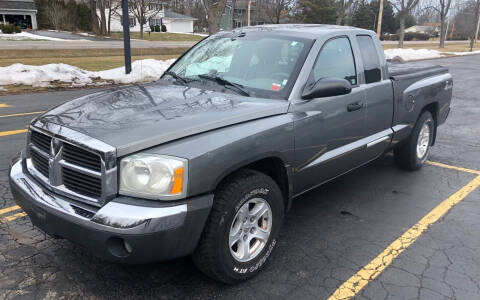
[{"x": 206, "y": 161}]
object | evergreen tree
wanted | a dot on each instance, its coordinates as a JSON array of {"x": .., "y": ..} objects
[
  {"x": 364, "y": 17},
  {"x": 388, "y": 19},
  {"x": 316, "y": 11}
]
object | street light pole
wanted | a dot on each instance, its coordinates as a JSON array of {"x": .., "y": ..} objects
[{"x": 126, "y": 37}]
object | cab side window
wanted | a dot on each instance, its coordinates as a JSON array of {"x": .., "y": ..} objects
[
  {"x": 371, "y": 62},
  {"x": 336, "y": 60}
]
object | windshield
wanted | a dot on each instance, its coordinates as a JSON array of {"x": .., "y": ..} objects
[{"x": 263, "y": 64}]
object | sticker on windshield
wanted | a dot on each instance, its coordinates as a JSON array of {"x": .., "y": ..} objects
[{"x": 275, "y": 87}]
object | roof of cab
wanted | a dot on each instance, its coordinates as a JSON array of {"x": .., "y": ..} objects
[{"x": 311, "y": 31}]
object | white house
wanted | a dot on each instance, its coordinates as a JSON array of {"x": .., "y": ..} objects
[
  {"x": 19, "y": 12},
  {"x": 428, "y": 29},
  {"x": 174, "y": 22}
]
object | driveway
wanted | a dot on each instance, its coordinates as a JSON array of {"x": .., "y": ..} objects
[
  {"x": 65, "y": 35},
  {"x": 329, "y": 235}
]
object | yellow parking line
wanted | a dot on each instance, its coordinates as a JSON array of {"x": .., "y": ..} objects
[
  {"x": 4, "y": 105},
  {"x": 9, "y": 209},
  {"x": 12, "y": 217},
  {"x": 453, "y": 167},
  {"x": 22, "y": 114},
  {"x": 12, "y": 132},
  {"x": 375, "y": 267}
]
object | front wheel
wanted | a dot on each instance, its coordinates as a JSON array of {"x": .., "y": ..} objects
[
  {"x": 413, "y": 154},
  {"x": 242, "y": 229}
]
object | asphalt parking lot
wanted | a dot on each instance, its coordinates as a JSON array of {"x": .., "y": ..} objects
[{"x": 376, "y": 233}]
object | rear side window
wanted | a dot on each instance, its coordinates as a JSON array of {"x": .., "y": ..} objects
[
  {"x": 336, "y": 60},
  {"x": 371, "y": 62}
]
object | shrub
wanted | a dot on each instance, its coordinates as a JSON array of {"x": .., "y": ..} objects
[
  {"x": 416, "y": 36},
  {"x": 152, "y": 28},
  {"x": 17, "y": 29},
  {"x": 164, "y": 28},
  {"x": 157, "y": 28},
  {"x": 8, "y": 29}
]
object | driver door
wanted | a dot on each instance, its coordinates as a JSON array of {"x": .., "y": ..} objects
[{"x": 327, "y": 130}]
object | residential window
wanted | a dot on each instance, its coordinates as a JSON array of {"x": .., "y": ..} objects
[
  {"x": 133, "y": 22},
  {"x": 154, "y": 7},
  {"x": 154, "y": 22}
]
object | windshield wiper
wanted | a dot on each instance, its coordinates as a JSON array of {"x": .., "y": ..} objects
[
  {"x": 176, "y": 76},
  {"x": 224, "y": 82}
]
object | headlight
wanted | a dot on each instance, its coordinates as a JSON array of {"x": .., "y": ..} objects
[{"x": 153, "y": 176}]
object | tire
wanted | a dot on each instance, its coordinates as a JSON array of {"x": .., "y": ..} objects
[
  {"x": 246, "y": 189},
  {"x": 414, "y": 152}
]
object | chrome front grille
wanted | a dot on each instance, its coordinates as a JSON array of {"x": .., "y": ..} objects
[
  {"x": 72, "y": 164},
  {"x": 80, "y": 157}
]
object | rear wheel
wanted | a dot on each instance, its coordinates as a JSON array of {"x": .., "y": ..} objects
[
  {"x": 242, "y": 229},
  {"x": 413, "y": 154}
]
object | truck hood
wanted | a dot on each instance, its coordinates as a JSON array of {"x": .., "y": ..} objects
[{"x": 139, "y": 117}]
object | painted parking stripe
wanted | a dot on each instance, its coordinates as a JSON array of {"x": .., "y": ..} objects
[
  {"x": 22, "y": 114},
  {"x": 437, "y": 164},
  {"x": 12, "y": 217},
  {"x": 374, "y": 268},
  {"x": 12, "y": 132},
  {"x": 8, "y": 209}
]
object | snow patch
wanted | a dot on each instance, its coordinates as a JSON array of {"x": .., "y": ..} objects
[
  {"x": 27, "y": 36},
  {"x": 412, "y": 54},
  {"x": 146, "y": 70}
]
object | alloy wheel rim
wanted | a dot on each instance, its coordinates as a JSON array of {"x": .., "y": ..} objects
[
  {"x": 250, "y": 229},
  {"x": 423, "y": 142}
]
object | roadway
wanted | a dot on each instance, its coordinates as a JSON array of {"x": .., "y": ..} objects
[{"x": 375, "y": 233}]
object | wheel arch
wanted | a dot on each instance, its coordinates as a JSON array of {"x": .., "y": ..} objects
[
  {"x": 272, "y": 166},
  {"x": 433, "y": 108}
]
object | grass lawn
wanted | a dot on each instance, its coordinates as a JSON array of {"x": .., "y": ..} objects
[
  {"x": 464, "y": 47},
  {"x": 160, "y": 36},
  {"x": 87, "y": 59}
]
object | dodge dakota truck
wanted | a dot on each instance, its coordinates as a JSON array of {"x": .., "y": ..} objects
[{"x": 207, "y": 160}]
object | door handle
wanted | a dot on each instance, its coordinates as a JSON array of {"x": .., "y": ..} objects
[{"x": 355, "y": 106}]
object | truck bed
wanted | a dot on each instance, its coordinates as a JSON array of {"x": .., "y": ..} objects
[
  {"x": 399, "y": 71},
  {"x": 414, "y": 86}
]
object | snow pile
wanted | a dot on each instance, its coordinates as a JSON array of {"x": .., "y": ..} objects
[
  {"x": 26, "y": 36},
  {"x": 142, "y": 71},
  {"x": 411, "y": 54},
  {"x": 42, "y": 76},
  {"x": 465, "y": 53}
]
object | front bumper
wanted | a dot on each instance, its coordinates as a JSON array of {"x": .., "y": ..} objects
[{"x": 125, "y": 230}]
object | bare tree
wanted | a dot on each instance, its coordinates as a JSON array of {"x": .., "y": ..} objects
[
  {"x": 444, "y": 8},
  {"x": 112, "y": 7},
  {"x": 403, "y": 7},
  {"x": 56, "y": 13},
  {"x": 214, "y": 10},
  {"x": 94, "y": 17},
  {"x": 143, "y": 10},
  {"x": 342, "y": 7},
  {"x": 475, "y": 25},
  {"x": 273, "y": 10}
]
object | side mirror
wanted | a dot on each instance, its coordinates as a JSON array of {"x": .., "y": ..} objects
[{"x": 327, "y": 87}]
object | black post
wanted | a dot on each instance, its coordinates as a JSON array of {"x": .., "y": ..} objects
[{"x": 126, "y": 37}]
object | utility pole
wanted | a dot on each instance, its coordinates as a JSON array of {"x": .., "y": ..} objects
[
  {"x": 249, "y": 6},
  {"x": 126, "y": 37},
  {"x": 380, "y": 16}
]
